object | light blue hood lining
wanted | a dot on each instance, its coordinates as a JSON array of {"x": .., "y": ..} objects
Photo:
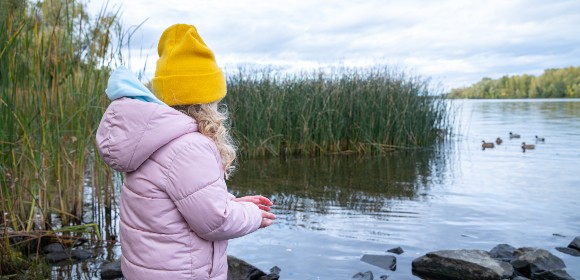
[{"x": 123, "y": 83}]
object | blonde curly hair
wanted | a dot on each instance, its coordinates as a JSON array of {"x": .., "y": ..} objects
[{"x": 212, "y": 121}]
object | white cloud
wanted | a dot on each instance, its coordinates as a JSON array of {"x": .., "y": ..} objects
[{"x": 454, "y": 41}]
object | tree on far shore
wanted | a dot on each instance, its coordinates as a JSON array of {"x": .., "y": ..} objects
[{"x": 553, "y": 83}]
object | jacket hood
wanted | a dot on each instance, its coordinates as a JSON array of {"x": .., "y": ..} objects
[
  {"x": 132, "y": 128},
  {"x": 123, "y": 83}
]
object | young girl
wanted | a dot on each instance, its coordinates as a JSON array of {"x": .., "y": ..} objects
[{"x": 176, "y": 214}]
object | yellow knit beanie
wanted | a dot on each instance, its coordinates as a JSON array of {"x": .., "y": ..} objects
[{"x": 187, "y": 72}]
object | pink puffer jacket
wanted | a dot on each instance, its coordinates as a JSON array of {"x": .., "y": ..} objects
[{"x": 176, "y": 213}]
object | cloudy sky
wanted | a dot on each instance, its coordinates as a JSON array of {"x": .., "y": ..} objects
[{"x": 452, "y": 42}]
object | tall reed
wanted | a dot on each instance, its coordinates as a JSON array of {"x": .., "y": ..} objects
[
  {"x": 53, "y": 71},
  {"x": 339, "y": 110}
]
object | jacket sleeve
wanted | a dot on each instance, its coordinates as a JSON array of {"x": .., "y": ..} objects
[{"x": 196, "y": 185}]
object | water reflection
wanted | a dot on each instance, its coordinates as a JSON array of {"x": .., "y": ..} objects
[
  {"x": 537, "y": 109},
  {"x": 364, "y": 184},
  {"x": 103, "y": 210}
]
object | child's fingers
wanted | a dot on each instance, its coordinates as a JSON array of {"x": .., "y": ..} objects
[
  {"x": 259, "y": 200},
  {"x": 267, "y": 219},
  {"x": 268, "y": 215},
  {"x": 264, "y": 200},
  {"x": 264, "y": 207},
  {"x": 256, "y": 199},
  {"x": 265, "y": 223}
]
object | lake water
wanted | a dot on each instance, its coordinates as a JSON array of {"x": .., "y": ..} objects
[{"x": 333, "y": 210}]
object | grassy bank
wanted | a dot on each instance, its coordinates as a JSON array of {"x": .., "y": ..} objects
[
  {"x": 53, "y": 73},
  {"x": 343, "y": 110}
]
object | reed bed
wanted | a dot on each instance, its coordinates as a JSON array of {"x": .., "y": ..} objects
[
  {"x": 332, "y": 111},
  {"x": 53, "y": 72}
]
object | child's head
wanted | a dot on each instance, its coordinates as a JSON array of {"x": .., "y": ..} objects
[
  {"x": 188, "y": 78},
  {"x": 186, "y": 72}
]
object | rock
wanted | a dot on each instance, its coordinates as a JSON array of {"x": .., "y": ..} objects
[
  {"x": 241, "y": 270},
  {"x": 384, "y": 277},
  {"x": 575, "y": 244},
  {"x": 271, "y": 276},
  {"x": 569, "y": 251},
  {"x": 386, "y": 262},
  {"x": 397, "y": 250},
  {"x": 503, "y": 252},
  {"x": 53, "y": 248},
  {"x": 82, "y": 254},
  {"x": 527, "y": 260},
  {"x": 364, "y": 276},
  {"x": 520, "y": 278},
  {"x": 461, "y": 264},
  {"x": 275, "y": 270},
  {"x": 274, "y": 274},
  {"x": 558, "y": 274},
  {"x": 56, "y": 257},
  {"x": 531, "y": 262},
  {"x": 111, "y": 270}
]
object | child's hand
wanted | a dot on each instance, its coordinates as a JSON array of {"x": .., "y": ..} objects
[
  {"x": 262, "y": 202},
  {"x": 267, "y": 219}
]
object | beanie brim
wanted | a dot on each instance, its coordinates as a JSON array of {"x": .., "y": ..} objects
[{"x": 190, "y": 89}]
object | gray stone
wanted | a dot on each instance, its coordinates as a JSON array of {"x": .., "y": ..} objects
[
  {"x": 520, "y": 278},
  {"x": 82, "y": 254},
  {"x": 504, "y": 252},
  {"x": 111, "y": 270},
  {"x": 364, "y": 276},
  {"x": 270, "y": 277},
  {"x": 52, "y": 248},
  {"x": 461, "y": 264},
  {"x": 274, "y": 274},
  {"x": 275, "y": 270},
  {"x": 397, "y": 250},
  {"x": 575, "y": 244},
  {"x": 241, "y": 270},
  {"x": 558, "y": 274},
  {"x": 382, "y": 261},
  {"x": 56, "y": 257},
  {"x": 529, "y": 261},
  {"x": 569, "y": 251}
]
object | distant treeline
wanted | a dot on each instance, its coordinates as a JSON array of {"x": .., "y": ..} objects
[{"x": 553, "y": 83}]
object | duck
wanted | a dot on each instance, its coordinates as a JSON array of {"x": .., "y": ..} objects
[
  {"x": 498, "y": 141},
  {"x": 514, "y": 135},
  {"x": 527, "y": 146},
  {"x": 540, "y": 139},
  {"x": 485, "y": 145}
]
